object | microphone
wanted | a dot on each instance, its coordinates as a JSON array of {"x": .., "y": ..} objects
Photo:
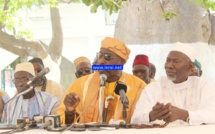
[
  {"x": 39, "y": 120},
  {"x": 39, "y": 75},
  {"x": 103, "y": 78},
  {"x": 47, "y": 124},
  {"x": 121, "y": 89},
  {"x": 51, "y": 121}
]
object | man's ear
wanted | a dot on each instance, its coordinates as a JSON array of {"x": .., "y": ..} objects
[
  {"x": 191, "y": 65},
  {"x": 200, "y": 73}
]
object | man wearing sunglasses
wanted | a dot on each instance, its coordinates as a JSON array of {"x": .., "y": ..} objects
[
  {"x": 141, "y": 68},
  {"x": 83, "y": 66},
  {"x": 83, "y": 96}
]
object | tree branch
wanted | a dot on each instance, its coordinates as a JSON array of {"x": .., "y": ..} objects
[
  {"x": 10, "y": 40},
  {"x": 14, "y": 50},
  {"x": 5, "y": 5}
]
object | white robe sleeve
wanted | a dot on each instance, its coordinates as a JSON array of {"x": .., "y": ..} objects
[
  {"x": 147, "y": 100},
  {"x": 205, "y": 112}
]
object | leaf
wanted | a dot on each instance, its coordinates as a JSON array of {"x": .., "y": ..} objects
[
  {"x": 105, "y": 6},
  {"x": 93, "y": 8},
  {"x": 87, "y": 2},
  {"x": 169, "y": 15}
]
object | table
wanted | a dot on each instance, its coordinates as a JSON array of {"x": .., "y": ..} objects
[{"x": 203, "y": 129}]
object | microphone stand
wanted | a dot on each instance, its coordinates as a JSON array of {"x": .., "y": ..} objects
[
  {"x": 101, "y": 104},
  {"x": 8, "y": 125},
  {"x": 124, "y": 112},
  {"x": 106, "y": 106}
]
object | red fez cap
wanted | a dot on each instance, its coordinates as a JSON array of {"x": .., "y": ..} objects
[{"x": 141, "y": 59}]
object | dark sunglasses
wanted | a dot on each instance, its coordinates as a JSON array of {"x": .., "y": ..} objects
[
  {"x": 86, "y": 70},
  {"x": 107, "y": 57}
]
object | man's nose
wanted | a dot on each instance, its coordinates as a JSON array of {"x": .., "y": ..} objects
[
  {"x": 169, "y": 65},
  {"x": 20, "y": 84},
  {"x": 84, "y": 73},
  {"x": 101, "y": 60}
]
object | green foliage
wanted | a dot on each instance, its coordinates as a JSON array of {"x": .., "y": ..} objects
[
  {"x": 169, "y": 15},
  {"x": 208, "y": 4},
  {"x": 107, "y": 5},
  {"x": 10, "y": 19},
  {"x": 52, "y": 3},
  {"x": 25, "y": 33}
]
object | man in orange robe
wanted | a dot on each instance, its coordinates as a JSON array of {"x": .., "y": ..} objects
[{"x": 82, "y": 97}]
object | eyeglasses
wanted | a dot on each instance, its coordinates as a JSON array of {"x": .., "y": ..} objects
[
  {"x": 107, "y": 57},
  {"x": 23, "y": 80},
  {"x": 81, "y": 71}
]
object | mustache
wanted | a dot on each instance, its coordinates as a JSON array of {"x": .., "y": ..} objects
[
  {"x": 23, "y": 88},
  {"x": 170, "y": 70}
]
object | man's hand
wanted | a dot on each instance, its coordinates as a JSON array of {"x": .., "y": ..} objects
[
  {"x": 71, "y": 101},
  {"x": 160, "y": 111},
  {"x": 176, "y": 114}
]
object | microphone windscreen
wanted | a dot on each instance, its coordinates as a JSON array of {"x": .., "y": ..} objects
[
  {"x": 46, "y": 70},
  {"x": 119, "y": 86},
  {"x": 103, "y": 77}
]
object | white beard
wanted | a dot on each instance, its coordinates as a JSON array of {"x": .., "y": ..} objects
[{"x": 172, "y": 78}]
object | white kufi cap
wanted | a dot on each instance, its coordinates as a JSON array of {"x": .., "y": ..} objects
[
  {"x": 185, "y": 49},
  {"x": 26, "y": 66}
]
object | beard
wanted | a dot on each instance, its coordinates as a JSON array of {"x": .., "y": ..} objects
[{"x": 172, "y": 78}]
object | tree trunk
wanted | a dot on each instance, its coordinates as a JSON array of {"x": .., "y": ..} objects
[
  {"x": 56, "y": 44},
  {"x": 212, "y": 38},
  {"x": 141, "y": 22}
]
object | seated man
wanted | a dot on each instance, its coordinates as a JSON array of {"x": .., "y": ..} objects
[
  {"x": 82, "y": 66},
  {"x": 4, "y": 98},
  {"x": 141, "y": 68},
  {"x": 152, "y": 71},
  {"x": 33, "y": 102},
  {"x": 83, "y": 95},
  {"x": 45, "y": 85},
  {"x": 178, "y": 99},
  {"x": 197, "y": 70}
]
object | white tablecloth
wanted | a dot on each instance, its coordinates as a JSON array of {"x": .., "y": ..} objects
[{"x": 203, "y": 129}]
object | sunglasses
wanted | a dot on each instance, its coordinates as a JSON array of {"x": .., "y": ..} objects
[
  {"x": 86, "y": 70},
  {"x": 107, "y": 57}
]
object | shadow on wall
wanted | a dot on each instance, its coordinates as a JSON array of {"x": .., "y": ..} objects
[
  {"x": 157, "y": 54},
  {"x": 67, "y": 73}
]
